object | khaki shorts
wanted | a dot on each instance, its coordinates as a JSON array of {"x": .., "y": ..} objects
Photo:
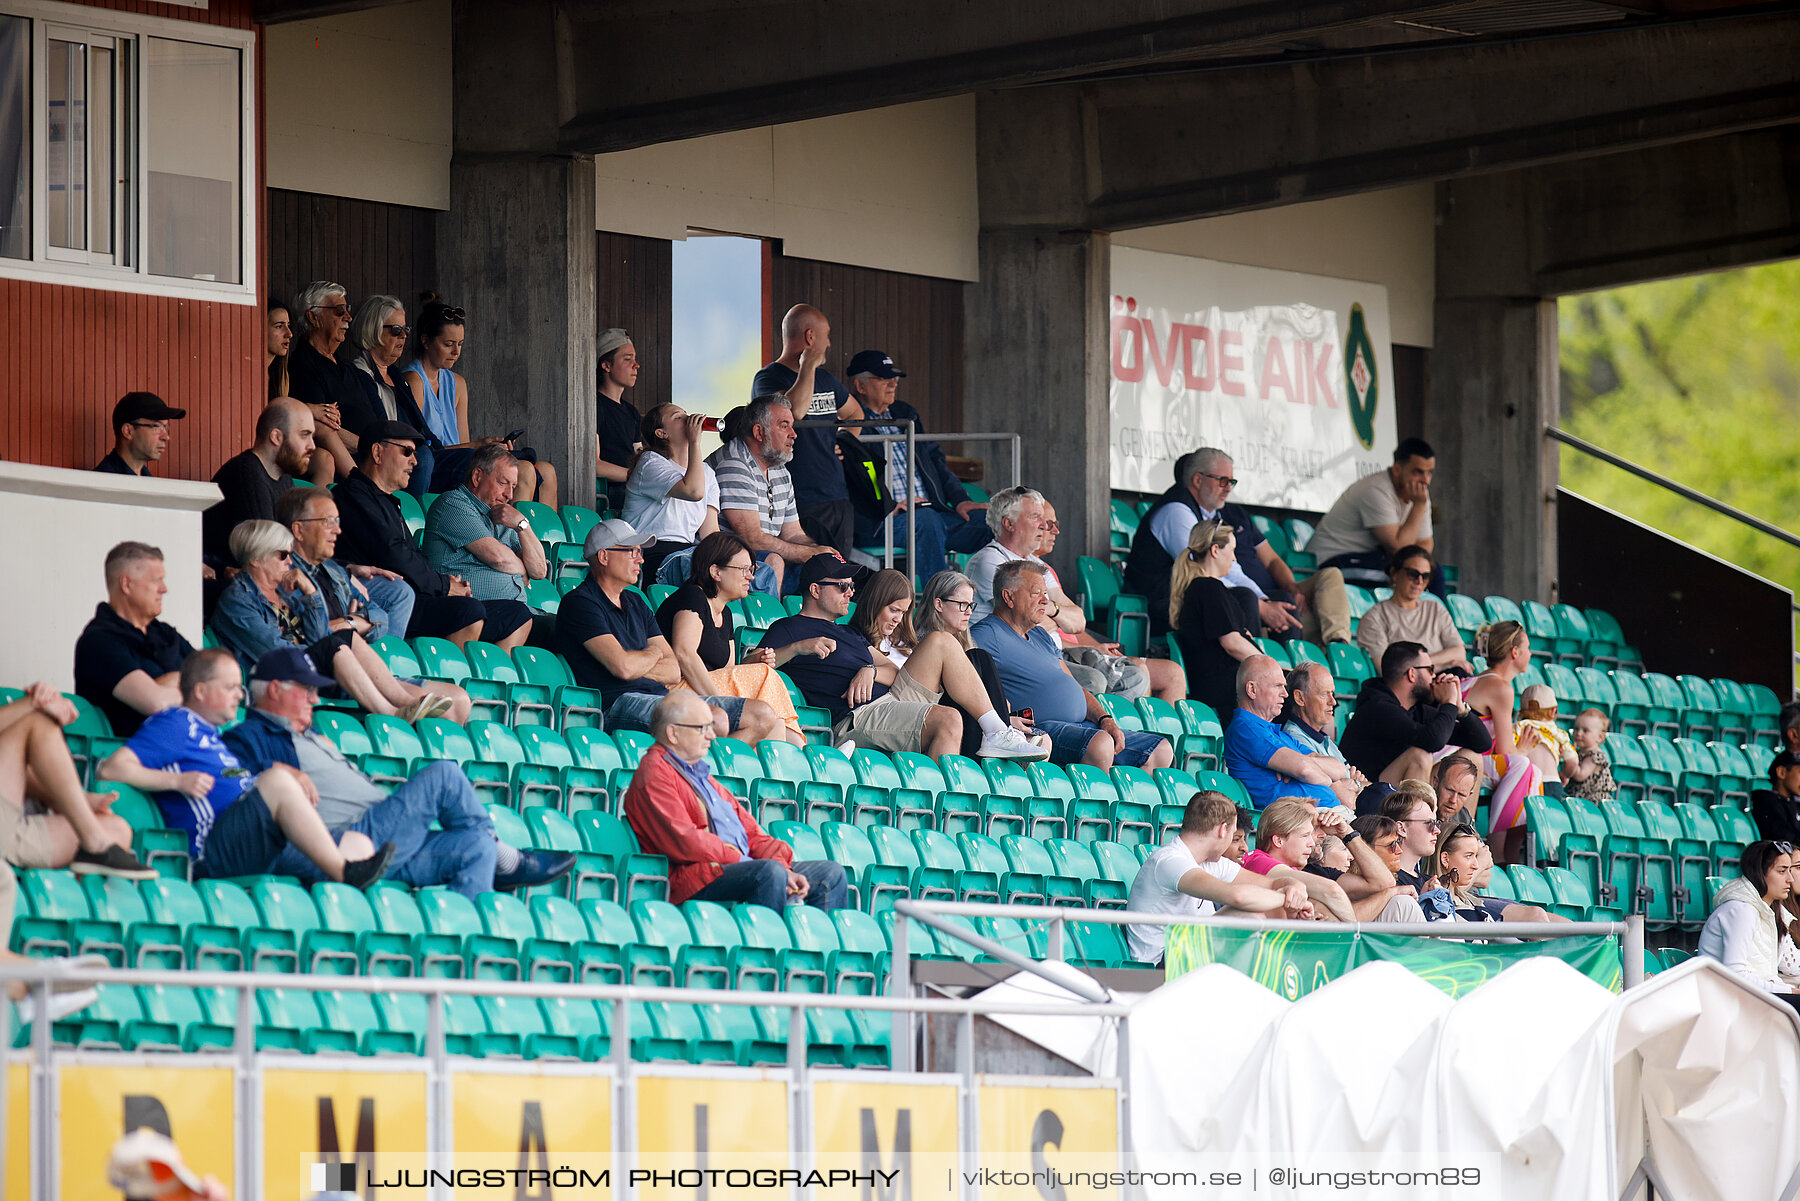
[
  {"x": 25, "y": 838},
  {"x": 895, "y": 722}
]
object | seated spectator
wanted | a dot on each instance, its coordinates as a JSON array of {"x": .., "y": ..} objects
[
  {"x": 1362, "y": 859},
  {"x": 1408, "y": 616},
  {"x": 1316, "y": 608},
  {"x": 1016, "y": 516},
  {"x": 378, "y": 335},
  {"x": 277, "y": 343},
  {"x": 272, "y": 603},
  {"x": 1591, "y": 778},
  {"x": 756, "y": 492},
  {"x": 946, "y": 606},
  {"x": 615, "y": 418},
  {"x": 1036, "y": 678},
  {"x": 236, "y": 824},
  {"x": 1789, "y": 722},
  {"x": 253, "y": 481},
  {"x": 609, "y": 636},
  {"x": 943, "y": 513},
  {"x": 1408, "y": 714},
  {"x": 1310, "y": 714},
  {"x": 1287, "y": 835},
  {"x": 440, "y": 833},
  {"x": 1377, "y": 516},
  {"x": 1749, "y": 918},
  {"x": 47, "y": 820},
  {"x": 672, "y": 495},
  {"x": 140, "y": 425},
  {"x": 1416, "y": 817},
  {"x": 1102, "y": 666},
  {"x": 697, "y": 621},
  {"x": 318, "y": 379},
  {"x": 66, "y": 998},
  {"x": 1543, "y": 741},
  {"x": 799, "y": 379},
  {"x": 1489, "y": 697},
  {"x": 127, "y": 663},
  {"x": 474, "y": 532},
  {"x": 915, "y": 707},
  {"x": 443, "y": 397},
  {"x": 1457, "y": 779},
  {"x": 1776, "y": 809},
  {"x": 1215, "y": 626},
  {"x": 1192, "y": 876},
  {"x": 716, "y": 851},
  {"x": 1457, "y": 860},
  {"x": 1269, "y": 763},
  {"x": 373, "y": 533}
]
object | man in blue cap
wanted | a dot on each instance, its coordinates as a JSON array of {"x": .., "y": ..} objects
[
  {"x": 463, "y": 854},
  {"x": 943, "y": 513}
]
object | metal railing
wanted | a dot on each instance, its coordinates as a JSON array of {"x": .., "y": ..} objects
[{"x": 909, "y": 436}]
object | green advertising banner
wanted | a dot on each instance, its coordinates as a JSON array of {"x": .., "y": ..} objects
[{"x": 1294, "y": 963}]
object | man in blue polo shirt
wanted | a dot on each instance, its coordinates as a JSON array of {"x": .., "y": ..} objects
[
  {"x": 237, "y": 824},
  {"x": 1270, "y": 763}
]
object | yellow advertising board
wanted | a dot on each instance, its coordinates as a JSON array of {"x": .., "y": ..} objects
[
  {"x": 903, "y": 1134},
  {"x": 557, "y": 1126},
  {"x": 688, "y": 1125},
  {"x": 371, "y": 1120},
  {"x": 15, "y": 1179},
  {"x": 100, "y": 1104},
  {"x": 1027, "y": 1132}
]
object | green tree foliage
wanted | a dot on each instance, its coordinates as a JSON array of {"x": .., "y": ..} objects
[{"x": 1699, "y": 379}]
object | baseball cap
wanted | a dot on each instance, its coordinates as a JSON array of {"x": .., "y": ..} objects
[
  {"x": 614, "y": 531},
  {"x": 875, "y": 363},
  {"x": 1369, "y": 799},
  {"x": 820, "y": 568},
  {"x": 1538, "y": 696},
  {"x": 392, "y": 431},
  {"x": 289, "y": 663},
  {"x": 144, "y": 406},
  {"x": 145, "y": 1164}
]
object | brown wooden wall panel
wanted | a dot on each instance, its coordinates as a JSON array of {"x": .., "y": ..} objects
[
  {"x": 235, "y": 14},
  {"x": 916, "y": 319},
  {"x": 633, "y": 291},
  {"x": 369, "y": 247}
]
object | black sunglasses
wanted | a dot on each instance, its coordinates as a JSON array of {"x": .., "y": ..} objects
[
  {"x": 405, "y": 448},
  {"x": 1417, "y": 577},
  {"x": 398, "y": 331}
]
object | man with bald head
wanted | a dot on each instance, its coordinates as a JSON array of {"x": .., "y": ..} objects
[
  {"x": 254, "y": 480},
  {"x": 812, "y": 392},
  {"x": 1268, "y": 762},
  {"x": 716, "y": 851}
]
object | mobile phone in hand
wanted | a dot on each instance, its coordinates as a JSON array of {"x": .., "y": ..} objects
[{"x": 514, "y": 436}]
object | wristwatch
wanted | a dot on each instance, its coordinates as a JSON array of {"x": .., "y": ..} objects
[{"x": 524, "y": 524}]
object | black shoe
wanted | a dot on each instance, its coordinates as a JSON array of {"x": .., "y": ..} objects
[
  {"x": 115, "y": 860},
  {"x": 365, "y": 872},
  {"x": 535, "y": 867}
]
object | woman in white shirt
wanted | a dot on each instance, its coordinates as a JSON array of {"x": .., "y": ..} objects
[
  {"x": 672, "y": 495},
  {"x": 1748, "y": 921}
]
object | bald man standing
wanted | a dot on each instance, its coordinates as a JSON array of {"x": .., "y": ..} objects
[{"x": 812, "y": 392}]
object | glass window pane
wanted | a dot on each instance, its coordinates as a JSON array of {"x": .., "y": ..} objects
[
  {"x": 194, "y": 176},
  {"x": 15, "y": 137},
  {"x": 716, "y": 296},
  {"x": 100, "y": 176},
  {"x": 67, "y": 145}
]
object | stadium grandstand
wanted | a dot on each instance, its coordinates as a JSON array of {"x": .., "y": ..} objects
[{"x": 474, "y": 733}]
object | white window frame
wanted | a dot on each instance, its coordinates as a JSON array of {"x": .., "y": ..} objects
[{"x": 50, "y": 265}]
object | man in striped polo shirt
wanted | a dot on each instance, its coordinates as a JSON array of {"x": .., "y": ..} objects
[{"x": 756, "y": 493}]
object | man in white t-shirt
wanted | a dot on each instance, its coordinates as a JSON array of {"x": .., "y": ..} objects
[
  {"x": 1191, "y": 878},
  {"x": 1379, "y": 514}
]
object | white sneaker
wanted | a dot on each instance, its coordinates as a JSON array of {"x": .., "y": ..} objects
[
  {"x": 847, "y": 747},
  {"x": 62, "y": 1004},
  {"x": 1010, "y": 744}
]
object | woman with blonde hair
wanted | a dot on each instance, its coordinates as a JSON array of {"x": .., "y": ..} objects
[
  {"x": 1507, "y": 648},
  {"x": 1216, "y": 627},
  {"x": 1458, "y": 862}
]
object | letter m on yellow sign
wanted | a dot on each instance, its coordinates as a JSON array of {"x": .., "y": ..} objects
[{"x": 887, "y": 1183}]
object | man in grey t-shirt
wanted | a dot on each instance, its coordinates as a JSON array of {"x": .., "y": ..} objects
[
  {"x": 463, "y": 854},
  {"x": 1379, "y": 514}
]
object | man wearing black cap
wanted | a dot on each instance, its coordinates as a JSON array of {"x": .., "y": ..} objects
[
  {"x": 140, "y": 424},
  {"x": 462, "y": 853},
  {"x": 943, "y": 513},
  {"x": 373, "y": 533}
]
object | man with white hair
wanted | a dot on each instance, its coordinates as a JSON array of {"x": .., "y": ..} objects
[
  {"x": 820, "y": 494},
  {"x": 756, "y": 491},
  {"x": 317, "y": 379},
  {"x": 1016, "y": 515},
  {"x": 1316, "y": 608}
]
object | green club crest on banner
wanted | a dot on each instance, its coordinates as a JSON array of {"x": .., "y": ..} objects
[{"x": 1361, "y": 375}]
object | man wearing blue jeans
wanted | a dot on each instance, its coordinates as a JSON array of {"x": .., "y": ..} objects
[
  {"x": 716, "y": 851},
  {"x": 463, "y": 855}
]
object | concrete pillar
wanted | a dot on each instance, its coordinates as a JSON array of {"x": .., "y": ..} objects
[
  {"x": 1036, "y": 355},
  {"x": 1492, "y": 392},
  {"x": 517, "y": 247}
]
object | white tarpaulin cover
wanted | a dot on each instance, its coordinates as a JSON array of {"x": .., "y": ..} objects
[{"x": 1567, "y": 1083}]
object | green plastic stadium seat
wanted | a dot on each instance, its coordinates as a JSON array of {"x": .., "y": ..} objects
[
  {"x": 609, "y": 925},
  {"x": 148, "y": 944}
]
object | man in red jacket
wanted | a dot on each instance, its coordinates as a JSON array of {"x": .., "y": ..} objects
[{"x": 716, "y": 851}]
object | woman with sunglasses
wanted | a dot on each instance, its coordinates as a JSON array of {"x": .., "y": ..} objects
[
  {"x": 378, "y": 333},
  {"x": 1411, "y": 616},
  {"x": 273, "y": 603},
  {"x": 1459, "y": 860},
  {"x": 946, "y": 606},
  {"x": 1750, "y": 918},
  {"x": 697, "y": 621},
  {"x": 1371, "y": 879},
  {"x": 317, "y": 379}
]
